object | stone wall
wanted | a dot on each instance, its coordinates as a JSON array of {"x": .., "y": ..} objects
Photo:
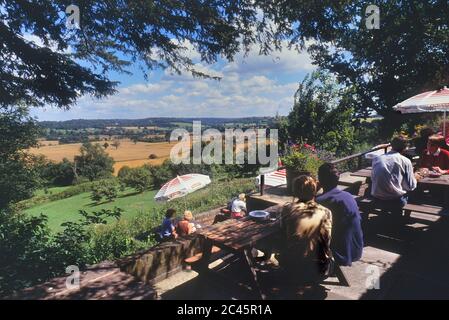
[{"x": 165, "y": 259}]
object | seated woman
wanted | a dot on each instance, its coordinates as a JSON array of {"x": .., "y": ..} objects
[
  {"x": 167, "y": 230},
  {"x": 305, "y": 254},
  {"x": 434, "y": 157},
  {"x": 186, "y": 226}
]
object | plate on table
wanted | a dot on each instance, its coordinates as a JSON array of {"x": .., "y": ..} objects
[
  {"x": 434, "y": 174},
  {"x": 259, "y": 215}
]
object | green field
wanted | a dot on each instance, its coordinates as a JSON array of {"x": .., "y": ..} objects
[{"x": 67, "y": 209}]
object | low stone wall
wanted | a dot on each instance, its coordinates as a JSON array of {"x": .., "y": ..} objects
[{"x": 165, "y": 259}]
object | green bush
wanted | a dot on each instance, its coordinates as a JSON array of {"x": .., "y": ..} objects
[
  {"x": 140, "y": 179},
  {"x": 104, "y": 190},
  {"x": 58, "y": 174},
  {"x": 32, "y": 254},
  {"x": 93, "y": 162},
  {"x": 303, "y": 159}
]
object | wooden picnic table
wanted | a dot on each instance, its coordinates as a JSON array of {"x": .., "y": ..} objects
[{"x": 238, "y": 237}]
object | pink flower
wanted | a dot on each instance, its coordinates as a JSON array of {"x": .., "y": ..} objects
[{"x": 310, "y": 147}]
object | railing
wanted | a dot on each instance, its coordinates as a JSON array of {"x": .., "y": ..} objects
[{"x": 358, "y": 156}]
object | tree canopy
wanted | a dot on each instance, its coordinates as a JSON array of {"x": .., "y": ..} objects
[
  {"x": 407, "y": 54},
  {"x": 322, "y": 114},
  {"x": 113, "y": 34}
]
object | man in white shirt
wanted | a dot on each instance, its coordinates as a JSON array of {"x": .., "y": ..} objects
[
  {"x": 392, "y": 178},
  {"x": 238, "y": 207}
]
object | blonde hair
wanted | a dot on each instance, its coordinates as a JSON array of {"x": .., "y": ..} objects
[
  {"x": 304, "y": 188},
  {"x": 188, "y": 215},
  {"x": 242, "y": 196}
]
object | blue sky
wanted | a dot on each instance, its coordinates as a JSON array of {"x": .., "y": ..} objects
[{"x": 250, "y": 86}]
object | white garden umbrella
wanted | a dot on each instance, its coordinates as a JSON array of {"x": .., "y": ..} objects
[
  {"x": 430, "y": 101},
  {"x": 181, "y": 186}
]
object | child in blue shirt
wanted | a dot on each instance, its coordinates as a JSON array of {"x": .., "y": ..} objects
[{"x": 168, "y": 230}]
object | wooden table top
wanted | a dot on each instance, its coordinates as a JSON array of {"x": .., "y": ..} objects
[
  {"x": 443, "y": 180},
  {"x": 239, "y": 234}
]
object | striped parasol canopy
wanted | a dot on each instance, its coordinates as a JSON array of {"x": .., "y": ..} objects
[
  {"x": 181, "y": 186},
  {"x": 430, "y": 101},
  {"x": 274, "y": 177}
]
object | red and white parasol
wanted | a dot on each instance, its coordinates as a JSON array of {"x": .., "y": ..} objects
[
  {"x": 181, "y": 186},
  {"x": 430, "y": 101},
  {"x": 273, "y": 177}
]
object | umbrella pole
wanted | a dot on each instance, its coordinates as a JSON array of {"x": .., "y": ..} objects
[{"x": 444, "y": 125}]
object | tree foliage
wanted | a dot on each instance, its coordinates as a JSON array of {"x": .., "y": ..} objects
[
  {"x": 104, "y": 189},
  {"x": 31, "y": 253},
  {"x": 322, "y": 114},
  {"x": 405, "y": 56},
  {"x": 140, "y": 179},
  {"x": 93, "y": 162},
  {"x": 113, "y": 35}
]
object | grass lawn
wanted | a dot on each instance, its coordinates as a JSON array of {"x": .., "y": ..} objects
[
  {"x": 52, "y": 190},
  {"x": 67, "y": 209}
]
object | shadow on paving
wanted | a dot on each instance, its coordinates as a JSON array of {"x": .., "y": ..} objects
[
  {"x": 422, "y": 270},
  {"x": 102, "y": 281}
]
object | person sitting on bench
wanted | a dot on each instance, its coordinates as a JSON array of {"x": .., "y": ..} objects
[
  {"x": 186, "y": 226},
  {"x": 434, "y": 157},
  {"x": 392, "y": 178},
  {"x": 238, "y": 207},
  {"x": 347, "y": 235},
  {"x": 306, "y": 226},
  {"x": 167, "y": 229}
]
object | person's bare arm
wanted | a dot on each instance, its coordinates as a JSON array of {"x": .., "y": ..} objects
[
  {"x": 173, "y": 232},
  {"x": 439, "y": 170}
]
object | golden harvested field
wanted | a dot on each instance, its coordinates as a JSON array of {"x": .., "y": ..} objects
[
  {"x": 138, "y": 163},
  {"x": 48, "y": 142},
  {"x": 128, "y": 153}
]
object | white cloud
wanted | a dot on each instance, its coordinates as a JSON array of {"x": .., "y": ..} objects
[
  {"x": 285, "y": 61},
  {"x": 249, "y": 86}
]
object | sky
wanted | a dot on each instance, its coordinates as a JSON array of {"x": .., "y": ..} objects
[{"x": 254, "y": 85}]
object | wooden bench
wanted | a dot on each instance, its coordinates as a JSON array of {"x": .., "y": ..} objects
[
  {"x": 422, "y": 208},
  {"x": 194, "y": 259},
  {"x": 365, "y": 202}
]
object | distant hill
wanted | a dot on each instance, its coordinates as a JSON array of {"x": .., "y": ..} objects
[{"x": 77, "y": 124}]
